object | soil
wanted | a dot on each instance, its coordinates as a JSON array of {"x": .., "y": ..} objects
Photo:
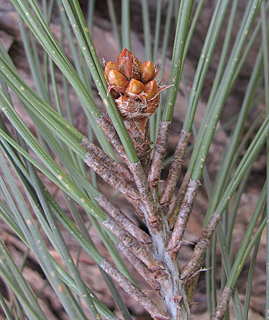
[{"x": 107, "y": 49}]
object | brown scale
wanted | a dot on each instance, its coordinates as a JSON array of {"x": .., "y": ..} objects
[{"x": 136, "y": 94}]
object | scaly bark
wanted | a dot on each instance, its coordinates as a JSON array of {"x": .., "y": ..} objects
[
  {"x": 196, "y": 259},
  {"x": 142, "y": 269},
  {"x": 130, "y": 242},
  {"x": 108, "y": 176},
  {"x": 183, "y": 218},
  {"x": 176, "y": 204},
  {"x": 152, "y": 216},
  {"x": 158, "y": 156},
  {"x": 175, "y": 168},
  {"x": 220, "y": 311},
  {"x": 112, "y": 137},
  {"x": 107, "y": 161},
  {"x": 156, "y": 312},
  {"x": 123, "y": 220}
]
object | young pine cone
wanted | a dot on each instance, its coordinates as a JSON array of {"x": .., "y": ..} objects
[{"x": 136, "y": 93}]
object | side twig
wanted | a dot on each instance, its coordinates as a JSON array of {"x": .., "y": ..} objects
[
  {"x": 152, "y": 216},
  {"x": 158, "y": 156},
  {"x": 176, "y": 204},
  {"x": 130, "y": 288},
  {"x": 197, "y": 256},
  {"x": 131, "y": 243},
  {"x": 220, "y": 311},
  {"x": 108, "y": 176},
  {"x": 142, "y": 269},
  {"x": 123, "y": 220},
  {"x": 183, "y": 217},
  {"x": 112, "y": 137},
  {"x": 107, "y": 161},
  {"x": 175, "y": 168}
]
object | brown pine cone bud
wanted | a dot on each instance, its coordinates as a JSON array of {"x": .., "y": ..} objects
[
  {"x": 109, "y": 66},
  {"x": 150, "y": 89},
  {"x": 134, "y": 88},
  {"x": 117, "y": 80},
  {"x": 128, "y": 65},
  {"x": 147, "y": 71},
  {"x": 136, "y": 94}
]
